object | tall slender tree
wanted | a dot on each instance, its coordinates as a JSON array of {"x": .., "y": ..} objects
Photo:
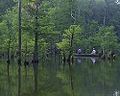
[
  {"x": 35, "y": 55},
  {"x": 19, "y": 46},
  {"x": 9, "y": 45}
]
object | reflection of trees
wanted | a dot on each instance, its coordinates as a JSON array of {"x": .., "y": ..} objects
[
  {"x": 66, "y": 75},
  {"x": 84, "y": 79},
  {"x": 99, "y": 79},
  {"x": 71, "y": 79},
  {"x": 96, "y": 79},
  {"x": 89, "y": 80}
]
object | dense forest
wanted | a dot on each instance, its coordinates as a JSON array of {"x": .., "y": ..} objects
[
  {"x": 61, "y": 24},
  {"x": 33, "y": 30}
]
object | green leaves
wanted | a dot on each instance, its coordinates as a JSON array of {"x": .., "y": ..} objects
[
  {"x": 69, "y": 37},
  {"x": 107, "y": 38},
  {"x": 55, "y": 24},
  {"x": 64, "y": 45}
]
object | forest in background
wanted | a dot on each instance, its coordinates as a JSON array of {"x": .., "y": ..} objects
[
  {"x": 60, "y": 24},
  {"x": 32, "y": 32}
]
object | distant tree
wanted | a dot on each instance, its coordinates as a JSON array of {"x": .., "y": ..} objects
[
  {"x": 107, "y": 38},
  {"x": 68, "y": 42}
]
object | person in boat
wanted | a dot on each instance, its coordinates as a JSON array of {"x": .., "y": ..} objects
[
  {"x": 79, "y": 51},
  {"x": 93, "y": 52}
]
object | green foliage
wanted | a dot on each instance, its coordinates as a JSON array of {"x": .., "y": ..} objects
[
  {"x": 55, "y": 25},
  {"x": 8, "y": 31},
  {"x": 64, "y": 46},
  {"x": 107, "y": 38},
  {"x": 67, "y": 24},
  {"x": 69, "y": 39}
]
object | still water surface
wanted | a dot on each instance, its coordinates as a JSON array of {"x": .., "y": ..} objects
[{"x": 85, "y": 77}]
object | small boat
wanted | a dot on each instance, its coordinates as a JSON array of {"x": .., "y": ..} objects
[{"x": 86, "y": 55}]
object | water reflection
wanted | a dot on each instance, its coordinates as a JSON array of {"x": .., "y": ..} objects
[
  {"x": 58, "y": 79},
  {"x": 79, "y": 60},
  {"x": 71, "y": 79},
  {"x": 93, "y": 59},
  {"x": 116, "y": 93}
]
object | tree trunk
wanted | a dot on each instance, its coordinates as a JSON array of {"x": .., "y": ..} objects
[
  {"x": 71, "y": 48},
  {"x": 9, "y": 45},
  {"x": 19, "y": 48},
  {"x": 26, "y": 62},
  {"x": 35, "y": 55}
]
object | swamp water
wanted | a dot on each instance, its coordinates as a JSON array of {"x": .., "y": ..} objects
[{"x": 85, "y": 77}]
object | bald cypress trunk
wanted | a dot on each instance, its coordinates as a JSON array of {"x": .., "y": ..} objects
[
  {"x": 73, "y": 18},
  {"x": 8, "y": 49},
  {"x": 35, "y": 55},
  {"x": 19, "y": 47}
]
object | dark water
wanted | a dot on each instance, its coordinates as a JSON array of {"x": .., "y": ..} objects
[{"x": 85, "y": 77}]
